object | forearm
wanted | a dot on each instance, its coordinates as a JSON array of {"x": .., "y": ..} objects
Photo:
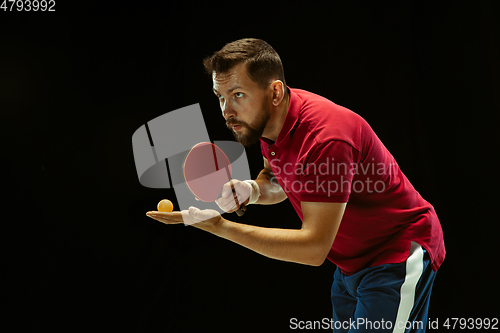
[
  {"x": 291, "y": 245},
  {"x": 270, "y": 190},
  {"x": 310, "y": 245}
]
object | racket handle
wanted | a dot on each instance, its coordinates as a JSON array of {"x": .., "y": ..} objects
[{"x": 241, "y": 210}]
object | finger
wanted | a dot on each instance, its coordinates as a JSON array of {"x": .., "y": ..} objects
[
  {"x": 223, "y": 203},
  {"x": 226, "y": 190},
  {"x": 202, "y": 215},
  {"x": 194, "y": 215},
  {"x": 234, "y": 195},
  {"x": 230, "y": 206},
  {"x": 187, "y": 218},
  {"x": 237, "y": 200},
  {"x": 220, "y": 202},
  {"x": 230, "y": 210},
  {"x": 242, "y": 189},
  {"x": 242, "y": 197},
  {"x": 164, "y": 217},
  {"x": 173, "y": 216}
]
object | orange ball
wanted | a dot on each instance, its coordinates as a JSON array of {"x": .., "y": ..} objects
[{"x": 165, "y": 206}]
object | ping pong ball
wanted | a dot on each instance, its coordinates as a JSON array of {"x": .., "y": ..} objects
[{"x": 165, "y": 206}]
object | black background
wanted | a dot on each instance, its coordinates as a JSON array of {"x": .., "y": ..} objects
[{"x": 78, "y": 252}]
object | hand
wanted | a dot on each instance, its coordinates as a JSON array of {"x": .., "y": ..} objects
[
  {"x": 227, "y": 203},
  {"x": 204, "y": 219}
]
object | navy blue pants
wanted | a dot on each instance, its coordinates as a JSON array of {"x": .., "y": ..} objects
[{"x": 385, "y": 298}]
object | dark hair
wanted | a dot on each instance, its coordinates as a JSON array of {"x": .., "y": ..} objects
[{"x": 262, "y": 62}]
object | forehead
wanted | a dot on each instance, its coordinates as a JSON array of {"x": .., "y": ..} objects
[{"x": 235, "y": 76}]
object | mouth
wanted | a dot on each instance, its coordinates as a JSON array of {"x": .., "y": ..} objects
[{"x": 234, "y": 126}]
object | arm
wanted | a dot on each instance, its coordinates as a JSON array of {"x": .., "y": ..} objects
[
  {"x": 270, "y": 190},
  {"x": 309, "y": 245}
]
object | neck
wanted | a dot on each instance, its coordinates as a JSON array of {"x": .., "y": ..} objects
[{"x": 278, "y": 115}]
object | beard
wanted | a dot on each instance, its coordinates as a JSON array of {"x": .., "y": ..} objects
[{"x": 254, "y": 130}]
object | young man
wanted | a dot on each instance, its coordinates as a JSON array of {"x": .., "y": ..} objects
[{"x": 356, "y": 206}]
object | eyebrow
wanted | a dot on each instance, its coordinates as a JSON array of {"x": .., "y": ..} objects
[{"x": 229, "y": 90}]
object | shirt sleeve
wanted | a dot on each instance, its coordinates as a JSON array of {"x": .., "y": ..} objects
[{"x": 328, "y": 172}]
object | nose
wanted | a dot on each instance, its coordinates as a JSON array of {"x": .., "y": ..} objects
[{"x": 227, "y": 110}]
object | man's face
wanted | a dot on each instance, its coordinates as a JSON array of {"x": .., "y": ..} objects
[{"x": 244, "y": 104}]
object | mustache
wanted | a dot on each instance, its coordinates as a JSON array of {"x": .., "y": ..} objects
[{"x": 233, "y": 122}]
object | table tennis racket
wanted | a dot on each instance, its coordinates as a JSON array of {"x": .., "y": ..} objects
[{"x": 206, "y": 169}]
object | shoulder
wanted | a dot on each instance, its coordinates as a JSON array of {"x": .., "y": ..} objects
[{"x": 325, "y": 121}]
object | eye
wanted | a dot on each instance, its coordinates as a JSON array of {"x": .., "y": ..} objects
[{"x": 238, "y": 94}]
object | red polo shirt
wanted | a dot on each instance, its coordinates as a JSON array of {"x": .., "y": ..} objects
[{"x": 327, "y": 153}]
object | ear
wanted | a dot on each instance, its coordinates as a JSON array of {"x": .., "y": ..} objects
[{"x": 278, "y": 89}]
